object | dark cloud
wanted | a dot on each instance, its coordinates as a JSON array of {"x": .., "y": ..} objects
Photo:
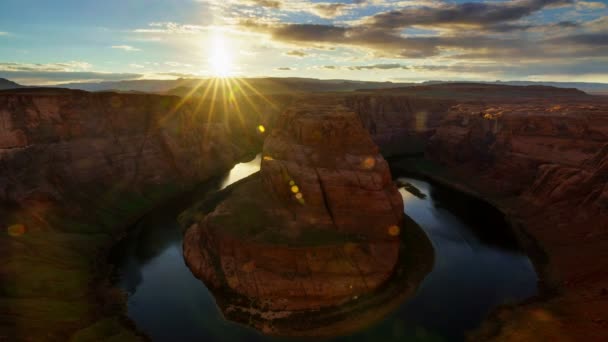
[
  {"x": 263, "y": 3},
  {"x": 585, "y": 39},
  {"x": 284, "y": 69},
  {"x": 483, "y": 36},
  {"x": 327, "y": 34},
  {"x": 384, "y": 43},
  {"x": 469, "y": 13},
  {"x": 308, "y": 32}
]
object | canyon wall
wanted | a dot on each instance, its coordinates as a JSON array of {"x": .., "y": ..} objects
[
  {"x": 76, "y": 169},
  {"x": 545, "y": 151},
  {"x": 546, "y": 164},
  {"x": 399, "y": 124},
  {"x": 73, "y": 165},
  {"x": 53, "y": 140}
]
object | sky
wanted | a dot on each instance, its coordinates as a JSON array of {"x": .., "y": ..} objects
[{"x": 61, "y": 41}]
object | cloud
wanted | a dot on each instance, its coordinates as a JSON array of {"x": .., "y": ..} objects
[
  {"x": 329, "y": 10},
  {"x": 469, "y": 13},
  {"x": 263, "y": 3},
  {"x": 3, "y": 33},
  {"x": 177, "y": 64},
  {"x": 379, "y": 67},
  {"x": 597, "y": 25},
  {"x": 284, "y": 69},
  {"x": 326, "y": 10},
  {"x": 465, "y": 30},
  {"x": 598, "y": 39},
  {"x": 53, "y": 73},
  {"x": 589, "y": 5},
  {"x": 48, "y": 67},
  {"x": 127, "y": 48},
  {"x": 171, "y": 28},
  {"x": 57, "y": 77},
  {"x": 386, "y": 43},
  {"x": 296, "y": 53}
]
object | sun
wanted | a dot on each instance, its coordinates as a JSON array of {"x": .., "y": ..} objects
[{"x": 220, "y": 56}]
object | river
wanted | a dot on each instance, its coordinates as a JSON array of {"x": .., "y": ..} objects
[{"x": 477, "y": 267}]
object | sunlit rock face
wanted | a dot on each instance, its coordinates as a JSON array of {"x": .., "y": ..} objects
[
  {"x": 318, "y": 228},
  {"x": 322, "y": 163},
  {"x": 329, "y": 289},
  {"x": 515, "y": 145}
]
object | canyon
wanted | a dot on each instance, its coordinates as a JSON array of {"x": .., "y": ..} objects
[
  {"x": 317, "y": 229},
  {"x": 77, "y": 167}
]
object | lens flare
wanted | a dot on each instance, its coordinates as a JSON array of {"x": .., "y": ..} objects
[
  {"x": 16, "y": 230},
  {"x": 368, "y": 163}
]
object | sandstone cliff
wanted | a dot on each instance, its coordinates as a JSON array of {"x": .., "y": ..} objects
[
  {"x": 545, "y": 163},
  {"x": 51, "y": 140},
  {"x": 75, "y": 169},
  {"x": 519, "y": 147},
  {"x": 316, "y": 229},
  {"x": 399, "y": 124}
]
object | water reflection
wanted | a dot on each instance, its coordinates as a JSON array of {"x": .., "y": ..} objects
[
  {"x": 475, "y": 254},
  {"x": 475, "y": 268},
  {"x": 242, "y": 170}
]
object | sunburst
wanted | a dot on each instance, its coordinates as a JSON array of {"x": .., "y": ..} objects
[{"x": 220, "y": 56}]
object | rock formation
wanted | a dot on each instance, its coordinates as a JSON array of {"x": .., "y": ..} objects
[
  {"x": 399, "y": 124},
  {"x": 545, "y": 162},
  {"x": 54, "y": 139},
  {"x": 318, "y": 228},
  {"x": 75, "y": 169}
]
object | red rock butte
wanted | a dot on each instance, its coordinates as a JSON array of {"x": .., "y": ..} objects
[{"x": 317, "y": 228}]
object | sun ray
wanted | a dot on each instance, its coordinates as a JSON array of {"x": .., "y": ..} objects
[
  {"x": 255, "y": 91},
  {"x": 182, "y": 102},
  {"x": 232, "y": 100}
]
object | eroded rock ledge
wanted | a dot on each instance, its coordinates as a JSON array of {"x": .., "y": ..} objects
[{"x": 317, "y": 229}]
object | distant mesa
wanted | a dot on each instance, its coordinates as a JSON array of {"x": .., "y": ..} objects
[
  {"x": 6, "y": 84},
  {"x": 467, "y": 90},
  {"x": 282, "y": 85},
  {"x": 312, "y": 244}
]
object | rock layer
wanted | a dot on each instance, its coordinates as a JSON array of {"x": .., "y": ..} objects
[
  {"x": 545, "y": 162},
  {"x": 52, "y": 139},
  {"x": 343, "y": 182},
  {"x": 316, "y": 229}
]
